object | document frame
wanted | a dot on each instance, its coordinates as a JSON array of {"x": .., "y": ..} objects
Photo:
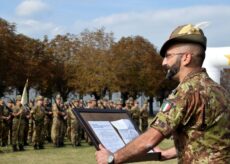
[{"x": 85, "y": 115}]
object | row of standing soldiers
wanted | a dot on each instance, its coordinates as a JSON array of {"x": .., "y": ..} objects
[{"x": 20, "y": 125}]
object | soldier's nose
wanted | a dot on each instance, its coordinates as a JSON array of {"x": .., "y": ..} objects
[{"x": 164, "y": 62}]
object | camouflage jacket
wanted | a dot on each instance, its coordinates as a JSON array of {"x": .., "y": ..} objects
[
  {"x": 38, "y": 113},
  {"x": 135, "y": 112},
  {"x": 19, "y": 108},
  {"x": 197, "y": 114},
  {"x": 144, "y": 114}
]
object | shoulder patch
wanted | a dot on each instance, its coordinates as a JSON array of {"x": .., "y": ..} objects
[{"x": 166, "y": 106}]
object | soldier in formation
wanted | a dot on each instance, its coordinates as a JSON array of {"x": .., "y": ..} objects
[
  {"x": 135, "y": 112},
  {"x": 75, "y": 131},
  {"x": 58, "y": 122},
  {"x": 38, "y": 117},
  {"x": 18, "y": 126},
  {"x": 119, "y": 105},
  {"x": 144, "y": 114},
  {"x": 6, "y": 118},
  {"x": 47, "y": 120},
  {"x": 31, "y": 124}
]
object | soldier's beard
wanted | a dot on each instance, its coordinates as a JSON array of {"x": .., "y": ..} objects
[{"x": 173, "y": 70}]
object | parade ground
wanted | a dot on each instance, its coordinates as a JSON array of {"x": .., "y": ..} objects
[
  {"x": 64, "y": 155},
  {"x": 85, "y": 154}
]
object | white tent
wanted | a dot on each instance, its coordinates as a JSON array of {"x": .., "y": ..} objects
[{"x": 216, "y": 59}]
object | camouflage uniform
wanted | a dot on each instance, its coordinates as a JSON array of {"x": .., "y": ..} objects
[
  {"x": 127, "y": 107},
  {"x": 63, "y": 125},
  {"x": 197, "y": 114},
  {"x": 10, "y": 105},
  {"x": 144, "y": 114},
  {"x": 57, "y": 125},
  {"x": 18, "y": 126},
  {"x": 27, "y": 124},
  {"x": 6, "y": 119},
  {"x": 31, "y": 124},
  {"x": 135, "y": 114},
  {"x": 48, "y": 122},
  {"x": 75, "y": 129},
  {"x": 38, "y": 115},
  {"x": 55, "y": 130}
]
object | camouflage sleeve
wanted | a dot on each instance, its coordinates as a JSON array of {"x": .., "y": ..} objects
[
  {"x": 174, "y": 111},
  {"x": 55, "y": 110},
  {"x": 32, "y": 110}
]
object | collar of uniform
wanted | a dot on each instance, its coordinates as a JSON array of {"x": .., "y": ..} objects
[
  {"x": 189, "y": 76},
  {"x": 194, "y": 73}
]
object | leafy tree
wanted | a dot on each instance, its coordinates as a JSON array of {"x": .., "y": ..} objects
[
  {"x": 7, "y": 54},
  {"x": 137, "y": 66},
  {"x": 91, "y": 69},
  {"x": 60, "y": 51}
]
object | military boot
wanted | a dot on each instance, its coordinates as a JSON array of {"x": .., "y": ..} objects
[{"x": 15, "y": 148}]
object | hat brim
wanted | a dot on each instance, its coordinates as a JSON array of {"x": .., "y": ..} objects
[{"x": 183, "y": 39}]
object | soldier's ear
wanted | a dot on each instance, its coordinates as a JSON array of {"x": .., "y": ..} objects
[{"x": 186, "y": 59}]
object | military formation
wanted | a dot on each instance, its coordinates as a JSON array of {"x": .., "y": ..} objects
[{"x": 44, "y": 122}]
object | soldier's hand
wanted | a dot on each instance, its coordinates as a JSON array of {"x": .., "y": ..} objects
[
  {"x": 63, "y": 114},
  {"x": 102, "y": 155},
  {"x": 166, "y": 154},
  {"x": 157, "y": 149},
  {"x": 65, "y": 118}
]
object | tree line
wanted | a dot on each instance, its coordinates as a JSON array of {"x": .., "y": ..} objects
[{"x": 91, "y": 62}]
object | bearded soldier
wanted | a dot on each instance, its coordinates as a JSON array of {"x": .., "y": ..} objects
[{"x": 196, "y": 113}]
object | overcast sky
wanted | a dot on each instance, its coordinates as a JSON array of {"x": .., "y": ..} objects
[{"x": 152, "y": 19}]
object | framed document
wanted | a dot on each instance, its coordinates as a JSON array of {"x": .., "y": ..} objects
[{"x": 111, "y": 128}]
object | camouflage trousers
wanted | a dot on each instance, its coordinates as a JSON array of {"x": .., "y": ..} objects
[
  {"x": 26, "y": 131},
  {"x": 5, "y": 133},
  {"x": 75, "y": 133},
  {"x": 136, "y": 121},
  {"x": 38, "y": 134},
  {"x": 63, "y": 131},
  {"x": 31, "y": 130},
  {"x": 10, "y": 131},
  {"x": 87, "y": 139},
  {"x": 57, "y": 131},
  {"x": 47, "y": 128},
  {"x": 144, "y": 124},
  {"x": 18, "y": 131}
]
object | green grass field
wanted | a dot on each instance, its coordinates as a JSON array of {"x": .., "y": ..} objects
[{"x": 65, "y": 155}]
